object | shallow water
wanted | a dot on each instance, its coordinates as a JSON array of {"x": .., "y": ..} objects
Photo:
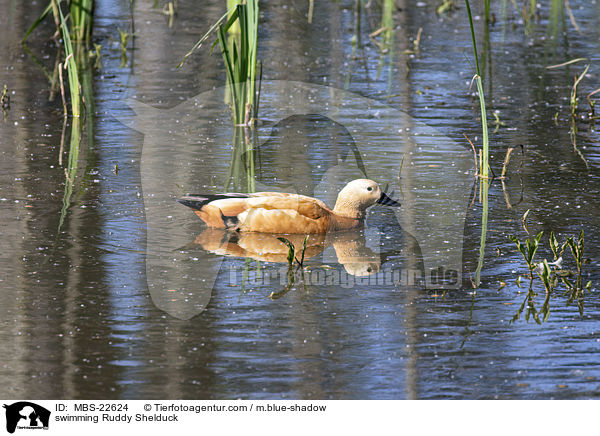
[{"x": 130, "y": 298}]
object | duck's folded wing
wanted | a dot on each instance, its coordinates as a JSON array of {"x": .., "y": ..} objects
[
  {"x": 305, "y": 206},
  {"x": 285, "y": 214},
  {"x": 271, "y": 212}
]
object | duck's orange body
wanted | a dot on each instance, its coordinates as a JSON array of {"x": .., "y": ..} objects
[{"x": 276, "y": 212}]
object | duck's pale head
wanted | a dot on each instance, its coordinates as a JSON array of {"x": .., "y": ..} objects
[{"x": 358, "y": 195}]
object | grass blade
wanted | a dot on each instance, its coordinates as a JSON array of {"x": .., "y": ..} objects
[
  {"x": 207, "y": 34},
  {"x": 37, "y": 22}
]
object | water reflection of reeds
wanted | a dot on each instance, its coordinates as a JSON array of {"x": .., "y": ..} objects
[{"x": 75, "y": 30}]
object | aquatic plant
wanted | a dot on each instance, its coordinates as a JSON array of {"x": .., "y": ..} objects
[
  {"x": 573, "y": 100},
  {"x": 291, "y": 276},
  {"x": 74, "y": 87},
  {"x": 573, "y": 103},
  {"x": 484, "y": 193},
  {"x": 577, "y": 290},
  {"x": 75, "y": 30},
  {"x": 552, "y": 273},
  {"x": 170, "y": 10},
  {"x": 124, "y": 40},
  {"x": 5, "y": 98},
  {"x": 528, "y": 250},
  {"x": 485, "y": 141},
  {"x": 445, "y": 6},
  {"x": 311, "y": 7},
  {"x": 70, "y": 64},
  {"x": 240, "y": 63},
  {"x": 239, "y": 56},
  {"x": 237, "y": 36},
  {"x": 81, "y": 14},
  {"x": 291, "y": 256},
  {"x": 507, "y": 160},
  {"x": 386, "y": 46},
  {"x": 592, "y": 103}
]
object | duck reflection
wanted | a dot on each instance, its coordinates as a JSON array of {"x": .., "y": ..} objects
[{"x": 350, "y": 247}]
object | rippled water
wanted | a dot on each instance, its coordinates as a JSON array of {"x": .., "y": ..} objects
[{"x": 130, "y": 297}]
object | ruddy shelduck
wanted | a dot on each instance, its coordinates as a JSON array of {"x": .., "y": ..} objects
[{"x": 276, "y": 212}]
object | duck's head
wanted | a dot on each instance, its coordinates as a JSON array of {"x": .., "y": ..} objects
[{"x": 358, "y": 195}]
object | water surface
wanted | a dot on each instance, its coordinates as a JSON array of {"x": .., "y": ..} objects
[{"x": 106, "y": 304}]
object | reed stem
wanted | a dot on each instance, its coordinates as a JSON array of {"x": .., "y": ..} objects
[{"x": 484, "y": 128}]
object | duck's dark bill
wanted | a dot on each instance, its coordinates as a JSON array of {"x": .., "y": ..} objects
[{"x": 387, "y": 201}]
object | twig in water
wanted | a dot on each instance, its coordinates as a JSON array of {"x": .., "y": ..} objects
[
  {"x": 572, "y": 17},
  {"x": 592, "y": 103},
  {"x": 564, "y": 64},
  {"x": 507, "y": 159},
  {"x": 474, "y": 155},
  {"x": 576, "y": 81},
  {"x": 417, "y": 41}
]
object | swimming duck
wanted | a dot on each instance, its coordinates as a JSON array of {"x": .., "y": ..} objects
[{"x": 276, "y": 212}]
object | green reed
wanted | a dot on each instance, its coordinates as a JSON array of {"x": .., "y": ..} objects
[
  {"x": 484, "y": 164},
  {"x": 70, "y": 63},
  {"x": 75, "y": 30},
  {"x": 241, "y": 175},
  {"x": 487, "y": 11},
  {"x": 485, "y": 185},
  {"x": 238, "y": 50},
  {"x": 81, "y": 13},
  {"x": 239, "y": 57},
  {"x": 386, "y": 46},
  {"x": 237, "y": 36}
]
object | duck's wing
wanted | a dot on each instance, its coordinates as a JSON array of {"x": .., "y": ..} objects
[
  {"x": 271, "y": 212},
  {"x": 285, "y": 214}
]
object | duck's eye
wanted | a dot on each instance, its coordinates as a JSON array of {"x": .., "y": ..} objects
[{"x": 369, "y": 189}]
